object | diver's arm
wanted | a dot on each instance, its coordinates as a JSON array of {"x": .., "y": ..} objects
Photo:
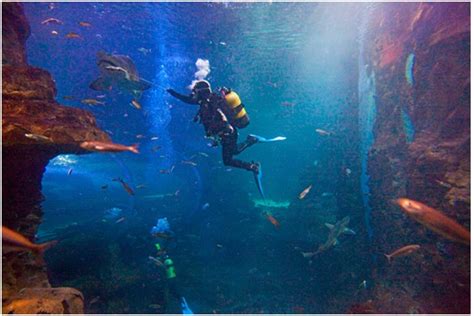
[
  {"x": 184, "y": 98},
  {"x": 229, "y": 127}
]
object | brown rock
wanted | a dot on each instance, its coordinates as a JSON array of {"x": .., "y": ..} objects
[{"x": 45, "y": 301}]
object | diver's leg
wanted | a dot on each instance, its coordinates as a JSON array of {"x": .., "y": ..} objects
[
  {"x": 229, "y": 147},
  {"x": 251, "y": 140}
]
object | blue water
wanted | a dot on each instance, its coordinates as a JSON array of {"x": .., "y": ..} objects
[{"x": 290, "y": 64}]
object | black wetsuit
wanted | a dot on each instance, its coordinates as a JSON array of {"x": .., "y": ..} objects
[{"x": 212, "y": 116}]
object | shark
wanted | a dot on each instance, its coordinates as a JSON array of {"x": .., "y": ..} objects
[
  {"x": 119, "y": 71},
  {"x": 335, "y": 231}
]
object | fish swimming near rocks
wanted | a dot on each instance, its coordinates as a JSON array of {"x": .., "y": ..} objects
[
  {"x": 119, "y": 71},
  {"x": 15, "y": 241},
  {"x": 108, "y": 147},
  {"x": 335, "y": 231},
  {"x": 435, "y": 220},
  {"x": 403, "y": 251}
]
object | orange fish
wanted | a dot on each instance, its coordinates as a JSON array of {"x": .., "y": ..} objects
[
  {"x": 136, "y": 104},
  {"x": 85, "y": 24},
  {"x": 273, "y": 220},
  {"x": 404, "y": 251},
  {"x": 435, "y": 220},
  {"x": 305, "y": 191},
  {"x": 18, "y": 242},
  {"x": 72, "y": 35},
  {"x": 110, "y": 147},
  {"x": 125, "y": 186}
]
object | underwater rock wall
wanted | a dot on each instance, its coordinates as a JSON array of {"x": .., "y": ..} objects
[
  {"x": 420, "y": 55},
  {"x": 29, "y": 107}
]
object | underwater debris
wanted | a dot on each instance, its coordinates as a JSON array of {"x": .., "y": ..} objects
[
  {"x": 108, "y": 147},
  {"x": 305, "y": 192},
  {"x": 403, "y": 251},
  {"x": 435, "y": 220}
]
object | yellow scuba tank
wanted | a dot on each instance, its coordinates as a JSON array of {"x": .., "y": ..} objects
[{"x": 239, "y": 116}]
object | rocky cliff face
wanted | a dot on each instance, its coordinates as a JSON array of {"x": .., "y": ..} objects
[
  {"x": 420, "y": 55},
  {"x": 35, "y": 129}
]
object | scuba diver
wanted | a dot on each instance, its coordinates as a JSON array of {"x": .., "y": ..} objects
[
  {"x": 162, "y": 260},
  {"x": 221, "y": 114}
]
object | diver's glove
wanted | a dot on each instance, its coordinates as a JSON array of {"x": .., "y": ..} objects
[{"x": 172, "y": 92}]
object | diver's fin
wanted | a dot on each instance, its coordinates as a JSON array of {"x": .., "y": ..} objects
[
  {"x": 267, "y": 140},
  {"x": 184, "y": 307},
  {"x": 100, "y": 84},
  {"x": 258, "y": 180},
  {"x": 330, "y": 226}
]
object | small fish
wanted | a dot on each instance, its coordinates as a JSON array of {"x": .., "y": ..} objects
[
  {"x": 140, "y": 186},
  {"x": 444, "y": 184},
  {"x": 167, "y": 171},
  {"x": 326, "y": 194},
  {"x": 121, "y": 219},
  {"x": 125, "y": 186},
  {"x": 18, "y": 242},
  {"x": 155, "y": 148},
  {"x": 94, "y": 300},
  {"x": 404, "y": 251},
  {"x": 101, "y": 96},
  {"x": 203, "y": 154},
  {"x": 305, "y": 192},
  {"x": 108, "y": 147},
  {"x": 272, "y": 220},
  {"x": 140, "y": 136},
  {"x": 348, "y": 171},
  {"x": 323, "y": 132},
  {"x": 69, "y": 97},
  {"x": 105, "y": 186},
  {"x": 189, "y": 162},
  {"x": 363, "y": 284},
  {"x": 72, "y": 35},
  {"x": 125, "y": 115},
  {"x": 52, "y": 21},
  {"x": 435, "y": 220},
  {"x": 154, "y": 138},
  {"x": 288, "y": 104},
  {"x": 69, "y": 172},
  {"x": 54, "y": 32},
  {"x": 154, "y": 306},
  {"x": 308, "y": 254},
  {"x": 92, "y": 102},
  {"x": 205, "y": 206},
  {"x": 135, "y": 104},
  {"x": 144, "y": 50},
  {"x": 219, "y": 246},
  {"x": 85, "y": 24},
  {"x": 223, "y": 43}
]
